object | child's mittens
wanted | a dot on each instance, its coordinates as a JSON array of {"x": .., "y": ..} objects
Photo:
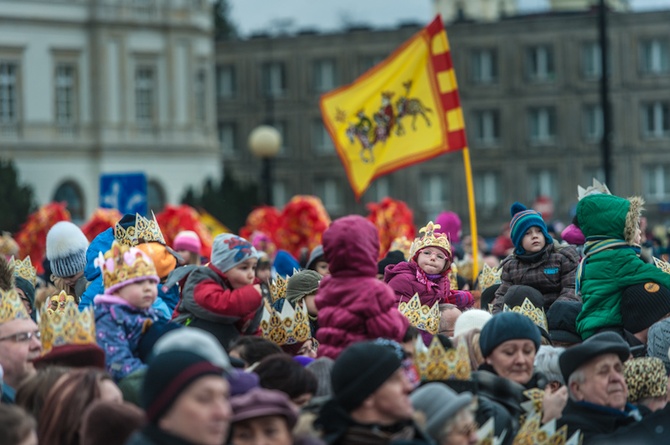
[{"x": 461, "y": 299}]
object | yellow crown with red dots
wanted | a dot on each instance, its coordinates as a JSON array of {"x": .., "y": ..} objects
[
  {"x": 288, "y": 327},
  {"x": 66, "y": 325},
  {"x": 437, "y": 363},
  {"x": 144, "y": 231},
  {"x": 430, "y": 239},
  {"x": 122, "y": 265},
  {"x": 423, "y": 317},
  {"x": 12, "y": 308},
  {"x": 24, "y": 269}
]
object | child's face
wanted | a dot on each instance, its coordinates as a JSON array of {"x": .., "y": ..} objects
[
  {"x": 322, "y": 268},
  {"x": 533, "y": 241},
  {"x": 311, "y": 305},
  {"x": 243, "y": 274},
  {"x": 141, "y": 294},
  {"x": 264, "y": 273},
  {"x": 432, "y": 260}
]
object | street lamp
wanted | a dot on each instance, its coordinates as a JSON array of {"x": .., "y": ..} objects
[{"x": 264, "y": 143}]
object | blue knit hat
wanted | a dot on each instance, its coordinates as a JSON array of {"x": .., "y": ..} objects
[
  {"x": 507, "y": 326},
  {"x": 522, "y": 220}
]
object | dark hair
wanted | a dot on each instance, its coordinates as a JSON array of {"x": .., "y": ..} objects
[
  {"x": 16, "y": 423},
  {"x": 281, "y": 372},
  {"x": 412, "y": 333},
  {"x": 32, "y": 391},
  {"x": 110, "y": 423},
  {"x": 254, "y": 349}
]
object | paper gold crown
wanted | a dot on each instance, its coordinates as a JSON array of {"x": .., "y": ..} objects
[
  {"x": 663, "y": 265},
  {"x": 598, "y": 188},
  {"x": 533, "y": 432},
  {"x": 536, "y": 314},
  {"x": 288, "y": 327},
  {"x": 489, "y": 276},
  {"x": 423, "y": 317},
  {"x": 123, "y": 265},
  {"x": 430, "y": 238},
  {"x": 66, "y": 325},
  {"x": 453, "y": 277},
  {"x": 24, "y": 269},
  {"x": 57, "y": 303},
  {"x": 144, "y": 231},
  {"x": 278, "y": 288},
  {"x": 402, "y": 244},
  {"x": 12, "y": 308},
  {"x": 436, "y": 363}
]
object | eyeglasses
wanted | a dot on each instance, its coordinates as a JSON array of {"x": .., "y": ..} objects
[
  {"x": 467, "y": 429},
  {"x": 22, "y": 337}
]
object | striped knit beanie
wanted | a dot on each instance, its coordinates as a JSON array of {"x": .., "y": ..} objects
[{"x": 522, "y": 220}]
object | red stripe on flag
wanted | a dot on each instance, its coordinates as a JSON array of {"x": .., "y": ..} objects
[
  {"x": 456, "y": 139},
  {"x": 442, "y": 62},
  {"x": 450, "y": 100}
]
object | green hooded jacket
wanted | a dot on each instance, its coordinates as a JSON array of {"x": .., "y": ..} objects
[{"x": 608, "y": 270}]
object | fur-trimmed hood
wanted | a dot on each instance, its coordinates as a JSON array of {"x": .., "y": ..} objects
[{"x": 610, "y": 216}]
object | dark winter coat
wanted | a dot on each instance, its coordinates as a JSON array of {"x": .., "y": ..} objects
[
  {"x": 553, "y": 274},
  {"x": 353, "y": 304},
  {"x": 152, "y": 435},
  {"x": 594, "y": 421}
]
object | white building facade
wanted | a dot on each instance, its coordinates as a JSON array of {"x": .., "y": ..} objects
[{"x": 93, "y": 87}]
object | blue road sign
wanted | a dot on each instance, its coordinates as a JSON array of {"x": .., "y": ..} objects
[{"x": 126, "y": 192}]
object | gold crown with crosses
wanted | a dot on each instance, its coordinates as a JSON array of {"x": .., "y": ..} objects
[
  {"x": 534, "y": 432},
  {"x": 288, "y": 327},
  {"x": 57, "y": 303},
  {"x": 437, "y": 363},
  {"x": 12, "y": 308},
  {"x": 278, "y": 288},
  {"x": 489, "y": 276},
  {"x": 144, "y": 231},
  {"x": 536, "y": 314},
  {"x": 423, "y": 317},
  {"x": 66, "y": 325},
  {"x": 24, "y": 269},
  {"x": 430, "y": 238},
  {"x": 123, "y": 265}
]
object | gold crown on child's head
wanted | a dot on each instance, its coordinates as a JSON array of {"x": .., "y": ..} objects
[
  {"x": 278, "y": 288},
  {"x": 123, "y": 265},
  {"x": 430, "y": 238},
  {"x": 288, "y": 327},
  {"x": 144, "y": 231},
  {"x": 437, "y": 363},
  {"x": 527, "y": 308},
  {"x": 423, "y": 317},
  {"x": 24, "y": 269},
  {"x": 66, "y": 325},
  {"x": 12, "y": 308},
  {"x": 489, "y": 276}
]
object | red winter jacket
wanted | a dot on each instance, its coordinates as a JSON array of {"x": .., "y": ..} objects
[{"x": 353, "y": 305}]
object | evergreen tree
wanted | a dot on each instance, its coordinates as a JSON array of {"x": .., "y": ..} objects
[
  {"x": 16, "y": 201},
  {"x": 224, "y": 29}
]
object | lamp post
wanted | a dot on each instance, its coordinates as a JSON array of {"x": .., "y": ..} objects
[{"x": 264, "y": 143}]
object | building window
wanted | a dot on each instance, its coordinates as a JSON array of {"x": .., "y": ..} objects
[
  {"x": 486, "y": 127},
  {"x": 593, "y": 123},
  {"x": 654, "y": 56},
  {"x": 367, "y": 62},
  {"x": 65, "y": 95},
  {"x": 281, "y": 127},
  {"x": 379, "y": 189},
  {"x": 155, "y": 196},
  {"x": 145, "y": 96},
  {"x": 487, "y": 190},
  {"x": 321, "y": 140},
  {"x": 226, "y": 82},
  {"x": 200, "y": 89},
  {"x": 324, "y": 75},
  {"x": 540, "y": 63},
  {"x": 329, "y": 192},
  {"x": 228, "y": 138},
  {"x": 280, "y": 194},
  {"x": 656, "y": 183},
  {"x": 9, "y": 112},
  {"x": 70, "y": 193},
  {"x": 274, "y": 79},
  {"x": 485, "y": 66},
  {"x": 542, "y": 125},
  {"x": 591, "y": 63},
  {"x": 434, "y": 194},
  {"x": 543, "y": 183},
  {"x": 656, "y": 120},
  {"x": 591, "y": 173}
]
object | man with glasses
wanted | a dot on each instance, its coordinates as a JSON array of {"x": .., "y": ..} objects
[{"x": 19, "y": 343}]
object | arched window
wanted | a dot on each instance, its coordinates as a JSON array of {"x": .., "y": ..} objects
[
  {"x": 155, "y": 196},
  {"x": 70, "y": 192}
]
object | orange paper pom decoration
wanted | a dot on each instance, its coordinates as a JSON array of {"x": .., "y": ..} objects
[
  {"x": 393, "y": 219},
  {"x": 32, "y": 237}
]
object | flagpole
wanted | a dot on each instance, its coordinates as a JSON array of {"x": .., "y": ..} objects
[{"x": 473, "y": 213}]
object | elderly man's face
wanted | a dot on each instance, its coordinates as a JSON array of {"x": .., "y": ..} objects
[
  {"x": 391, "y": 400},
  {"x": 17, "y": 350},
  {"x": 604, "y": 383}
]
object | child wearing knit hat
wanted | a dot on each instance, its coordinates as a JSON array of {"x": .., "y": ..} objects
[
  {"x": 66, "y": 248},
  {"x": 187, "y": 244},
  {"x": 537, "y": 261}
]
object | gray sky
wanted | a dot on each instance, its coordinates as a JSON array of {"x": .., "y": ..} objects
[{"x": 252, "y": 16}]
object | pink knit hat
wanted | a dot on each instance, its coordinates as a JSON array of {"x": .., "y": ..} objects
[{"x": 187, "y": 240}]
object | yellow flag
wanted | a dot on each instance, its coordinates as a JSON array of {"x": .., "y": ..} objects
[
  {"x": 214, "y": 226},
  {"x": 401, "y": 112}
]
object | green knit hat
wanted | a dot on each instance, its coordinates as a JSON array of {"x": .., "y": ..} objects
[{"x": 302, "y": 283}]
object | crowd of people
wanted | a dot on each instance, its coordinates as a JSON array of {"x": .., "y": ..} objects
[{"x": 131, "y": 341}]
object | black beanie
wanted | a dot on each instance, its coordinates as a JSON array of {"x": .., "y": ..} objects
[
  {"x": 643, "y": 305},
  {"x": 487, "y": 297},
  {"x": 27, "y": 288},
  {"x": 361, "y": 369},
  {"x": 393, "y": 257},
  {"x": 168, "y": 375}
]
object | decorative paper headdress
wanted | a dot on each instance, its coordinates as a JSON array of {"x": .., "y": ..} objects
[
  {"x": 12, "y": 308},
  {"x": 453, "y": 277},
  {"x": 532, "y": 431},
  {"x": 24, "y": 269},
  {"x": 663, "y": 265},
  {"x": 597, "y": 188},
  {"x": 436, "y": 363},
  {"x": 402, "y": 244},
  {"x": 486, "y": 433},
  {"x": 423, "y": 317},
  {"x": 56, "y": 304},
  {"x": 122, "y": 265},
  {"x": 287, "y": 327},
  {"x": 66, "y": 325},
  {"x": 489, "y": 276},
  {"x": 430, "y": 238},
  {"x": 143, "y": 231},
  {"x": 278, "y": 288},
  {"x": 531, "y": 311}
]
